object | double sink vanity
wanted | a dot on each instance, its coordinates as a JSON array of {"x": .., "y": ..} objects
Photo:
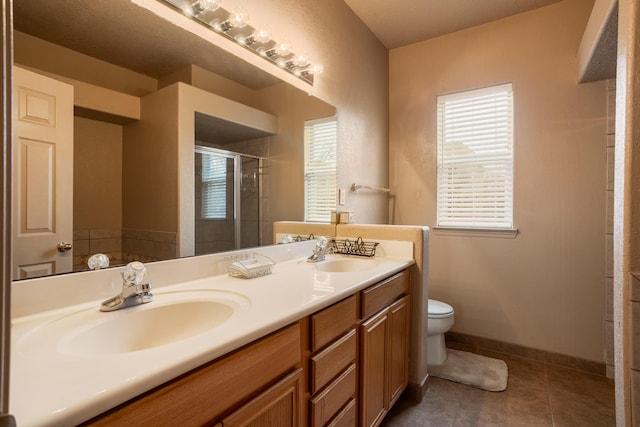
[{"x": 322, "y": 343}]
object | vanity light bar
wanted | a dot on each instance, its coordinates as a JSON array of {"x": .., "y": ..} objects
[{"x": 234, "y": 25}]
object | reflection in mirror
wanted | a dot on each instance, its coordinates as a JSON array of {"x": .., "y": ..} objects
[
  {"x": 141, "y": 103},
  {"x": 227, "y": 200}
]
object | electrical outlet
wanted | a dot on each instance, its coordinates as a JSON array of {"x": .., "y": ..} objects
[{"x": 342, "y": 196}]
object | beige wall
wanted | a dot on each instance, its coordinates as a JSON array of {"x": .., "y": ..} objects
[
  {"x": 545, "y": 288},
  {"x": 285, "y": 163},
  {"x": 355, "y": 81},
  {"x": 97, "y": 174},
  {"x": 150, "y": 165},
  {"x": 40, "y": 54}
]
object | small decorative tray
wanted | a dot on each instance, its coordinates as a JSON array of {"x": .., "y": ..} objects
[
  {"x": 249, "y": 265},
  {"x": 356, "y": 247}
]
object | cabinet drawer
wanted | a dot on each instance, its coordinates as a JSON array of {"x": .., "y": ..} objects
[
  {"x": 332, "y": 322},
  {"x": 327, "y": 364},
  {"x": 326, "y": 404},
  {"x": 384, "y": 293},
  {"x": 347, "y": 417}
]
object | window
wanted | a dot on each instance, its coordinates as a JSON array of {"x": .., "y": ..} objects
[
  {"x": 214, "y": 186},
  {"x": 319, "y": 169},
  {"x": 475, "y": 159}
]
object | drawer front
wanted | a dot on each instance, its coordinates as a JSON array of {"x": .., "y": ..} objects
[
  {"x": 327, "y": 404},
  {"x": 327, "y": 364},
  {"x": 333, "y": 321},
  {"x": 347, "y": 417},
  {"x": 384, "y": 293}
]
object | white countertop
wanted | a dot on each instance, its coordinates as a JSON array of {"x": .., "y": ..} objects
[{"x": 57, "y": 387}]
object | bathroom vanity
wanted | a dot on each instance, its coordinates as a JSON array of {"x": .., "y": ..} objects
[{"x": 310, "y": 344}]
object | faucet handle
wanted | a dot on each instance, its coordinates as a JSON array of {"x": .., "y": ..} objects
[
  {"x": 134, "y": 273},
  {"x": 322, "y": 242}
]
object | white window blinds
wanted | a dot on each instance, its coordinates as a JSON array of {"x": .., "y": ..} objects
[
  {"x": 320, "y": 169},
  {"x": 475, "y": 159},
  {"x": 214, "y": 186}
]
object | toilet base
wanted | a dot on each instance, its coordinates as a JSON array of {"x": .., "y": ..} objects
[{"x": 436, "y": 350}]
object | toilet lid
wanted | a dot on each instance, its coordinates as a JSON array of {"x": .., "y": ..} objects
[{"x": 438, "y": 308}]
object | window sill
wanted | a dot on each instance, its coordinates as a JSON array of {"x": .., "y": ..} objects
[{"x": 476, "y": 232}]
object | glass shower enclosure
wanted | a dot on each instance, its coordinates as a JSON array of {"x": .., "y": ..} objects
[{"x": 227, "y": 200}]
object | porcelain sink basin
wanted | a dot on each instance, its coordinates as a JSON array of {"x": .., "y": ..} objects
[
  {"x": 170, "y": 318},
  {"x": 346, "y": 265}
]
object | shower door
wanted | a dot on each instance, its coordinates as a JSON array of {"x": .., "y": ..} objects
[{"x": 227, "y": 199}]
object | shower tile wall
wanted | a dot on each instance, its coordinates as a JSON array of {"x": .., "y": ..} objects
[
  {"x": 611, "y": 115},
  {"x": 148, "y": 245},
  {"x": 87, "y": 242}
]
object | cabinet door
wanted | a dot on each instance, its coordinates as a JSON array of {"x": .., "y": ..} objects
[
  {"x": 373, "y": 365},
  {"x": 278, "y": 406},
  {"x": 398, "y": 349}
]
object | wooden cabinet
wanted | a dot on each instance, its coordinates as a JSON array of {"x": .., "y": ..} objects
[
  {"x": 384, "y": 347},
  {"x": 398, "y": 351},
  {"x": 205, "y": 395},
  {"x": 373, "y": 364},
  {"x": 333, "y": 364},
  {"x": 279, "y": 406}
]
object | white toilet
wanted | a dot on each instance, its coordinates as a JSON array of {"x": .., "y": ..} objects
[{"x": 440, "y": 321}]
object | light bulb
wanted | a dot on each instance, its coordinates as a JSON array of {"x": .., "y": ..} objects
[
  {"x": 262, "y": 36},
  {"x": 281, "y": 62},
  {"x": 202, "y": 6},
  {"x": 283, "y": 49},
  {"x": 186, "y": 10},
  {"x": 300, "y": 61},
  {"x": 238, "y": 18},
  {"x": 317, "y": 69}
]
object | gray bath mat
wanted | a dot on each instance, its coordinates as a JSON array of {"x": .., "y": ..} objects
[{"x": 472, "y": 369}]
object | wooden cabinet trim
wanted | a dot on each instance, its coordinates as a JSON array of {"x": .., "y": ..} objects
[
  {"x": 262, "y": 411},
  {"x": 333, "y": 321},
  {"x": 399, "y": 324},
  {"x": 328, "y": 402},
  {"x": 327, "y": 364},
  {"x": 347, "y": 417},
  {"x": 384, "y": 293},
  {"x": 373, "y": 369}
]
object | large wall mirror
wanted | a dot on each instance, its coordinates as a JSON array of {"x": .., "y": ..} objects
[{"x": 138, "y": 139}]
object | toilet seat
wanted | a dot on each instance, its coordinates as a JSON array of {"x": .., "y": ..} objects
[{"x": 438, "y": 309}]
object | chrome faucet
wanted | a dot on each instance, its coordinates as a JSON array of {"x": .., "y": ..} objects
[
  {"x": 320, "y": 250},
  {"x": 133, "y": 292}
]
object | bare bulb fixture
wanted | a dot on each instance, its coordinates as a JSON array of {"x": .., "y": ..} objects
[
  {"x": 238, "y": 18},
  {"x": 203, "y": 6},
  {"x": 283, "y": 49},
  {"x": 262, "y": 36},
  {"x": 234, "y": 26},
  {"x": 300, "y": 61}
]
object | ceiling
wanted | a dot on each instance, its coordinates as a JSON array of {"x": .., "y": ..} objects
[{"x": 401, "y": 22}]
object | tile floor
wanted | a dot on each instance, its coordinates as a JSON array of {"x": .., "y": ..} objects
[{"x": 537, "y": 394}]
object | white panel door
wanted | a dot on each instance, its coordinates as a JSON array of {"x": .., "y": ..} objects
[{"x": 42, "y": 219}]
